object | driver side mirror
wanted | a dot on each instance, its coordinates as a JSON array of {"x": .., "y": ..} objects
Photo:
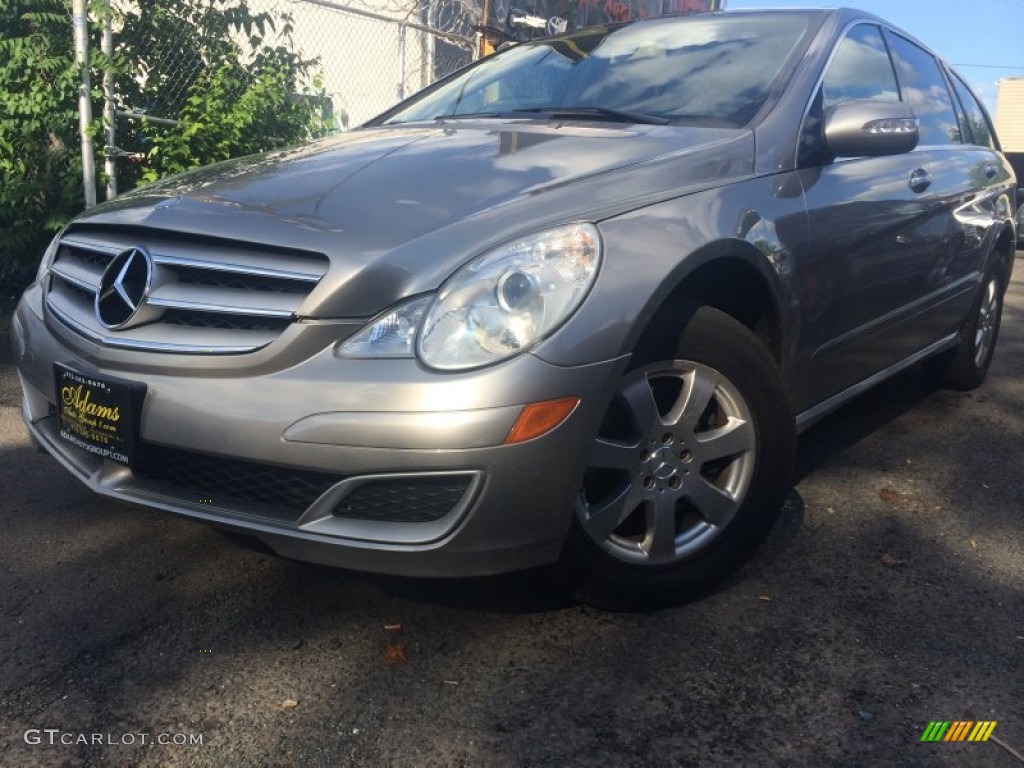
[{"x": 870, "y": 128}]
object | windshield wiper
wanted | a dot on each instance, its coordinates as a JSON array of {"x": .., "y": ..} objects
[
  {"x": 599, "y": 113},
  {"x": 467, "y": 115},
  {"x": 522, "y": 114},
  {"x": 565, "y": 113}
]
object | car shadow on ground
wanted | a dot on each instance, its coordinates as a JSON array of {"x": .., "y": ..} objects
[{"x": 865, "y": 415}]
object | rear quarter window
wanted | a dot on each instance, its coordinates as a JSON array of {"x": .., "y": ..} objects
[{"x": 978, "y": 131}]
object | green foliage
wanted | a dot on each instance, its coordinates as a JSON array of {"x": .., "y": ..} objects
[
  {"x": 230, "y": 101},
  {"x": 226, "y": 73},
  {"x": 40, "y": 168}
]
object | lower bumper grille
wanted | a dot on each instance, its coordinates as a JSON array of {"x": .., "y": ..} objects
[
  {"x": 281, "y": 493},
  {"x": 284, "y": 493},
  {"x": 409, "y": 500}
]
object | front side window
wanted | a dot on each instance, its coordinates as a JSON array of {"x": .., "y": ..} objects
[
  {"x": 860, "y": 69},
  {"x": 924, "y": 88},
  {"x": 716, "y": 70}
]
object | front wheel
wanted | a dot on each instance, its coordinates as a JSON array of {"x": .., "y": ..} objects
[{"x": 686, "y": 473}]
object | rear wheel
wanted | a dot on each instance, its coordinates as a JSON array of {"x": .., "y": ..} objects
[
  {"x": 965, "y": 367},
  {"x": 688, "y": 468}
]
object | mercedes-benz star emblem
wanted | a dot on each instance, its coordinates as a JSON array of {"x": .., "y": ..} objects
[{"x": 123, "y": 287}]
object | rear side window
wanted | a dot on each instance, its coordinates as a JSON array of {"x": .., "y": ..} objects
[
  {"x": 924, "y": 88},
  {"x": 978, "y": 130},
  {"x": 860, "y": 68}
]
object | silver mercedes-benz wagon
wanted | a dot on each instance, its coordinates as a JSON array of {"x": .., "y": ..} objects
[{"x": 570, "y": 305}]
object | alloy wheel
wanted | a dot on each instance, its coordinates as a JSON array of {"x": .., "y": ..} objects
[
  {"x": 988, "y": 315},
  {"x": 671, "y": 466}
]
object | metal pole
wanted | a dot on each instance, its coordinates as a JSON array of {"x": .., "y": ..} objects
[
  {"x": 80, "y": 22},
  {"x": 147, "y": 118},
  {"x": 109, "y": 119},
  {"x": 481, "y": 48},
  {"x": 401, "y": 61}
]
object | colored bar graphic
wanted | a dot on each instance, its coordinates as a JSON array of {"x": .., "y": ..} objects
[
  {"x": 958, "y": 730},
  {"x": 935, "y": 730},
  {"x": 982, "y": 730}
]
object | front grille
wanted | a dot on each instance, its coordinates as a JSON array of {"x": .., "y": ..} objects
[
  {"x": 406, "y": 500},
  {"x": 96, "y": 258},
  {"x": 281, "y": 493},
  {"x": 233, "y": 322},
  {"x": 206, "y": 295},
  {"x": 240, "y": 282},
  {"x": 82, "y": 293}
]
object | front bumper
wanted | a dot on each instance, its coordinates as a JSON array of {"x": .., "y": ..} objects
[{"x": 376, "y": 465}]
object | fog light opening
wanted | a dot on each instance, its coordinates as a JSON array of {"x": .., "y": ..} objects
[{"x": 538, "y": 419}]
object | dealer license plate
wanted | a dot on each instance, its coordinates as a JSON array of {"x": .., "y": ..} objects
[{"x": 98, "y": 413}]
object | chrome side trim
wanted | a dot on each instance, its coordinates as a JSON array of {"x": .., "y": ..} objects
[
  {"x": 825, "y": 407},
  {"x": 954, "y": 289}
]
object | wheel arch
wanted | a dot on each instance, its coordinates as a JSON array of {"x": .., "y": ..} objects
[
  {"x": 1004, "y": 251},
  {"x": 731, "y": 276}
]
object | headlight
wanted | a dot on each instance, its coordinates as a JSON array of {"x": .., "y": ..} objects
[
  {"x": 497, "y": 306},
  {"x": 505, "y": 301},
  {"x": 44, "y": 265},
  {"x": 392, "y": 334}
]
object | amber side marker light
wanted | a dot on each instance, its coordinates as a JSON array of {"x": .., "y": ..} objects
[{"x": 538, "y": 419}]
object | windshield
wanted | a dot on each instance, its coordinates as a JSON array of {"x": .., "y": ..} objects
[{"x": 716, "y": 69}]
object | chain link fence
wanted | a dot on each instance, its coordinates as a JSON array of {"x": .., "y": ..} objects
[
  {"x": 359, "y": 57},
  {"x": 366, "y": 54},
  {"x": 373, "y": 54}
]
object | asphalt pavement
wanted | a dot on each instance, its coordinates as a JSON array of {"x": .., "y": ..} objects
[{"x": 889, "y": 595}]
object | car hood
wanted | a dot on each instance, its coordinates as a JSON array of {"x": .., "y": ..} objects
[{"x": 397, "y": 209}]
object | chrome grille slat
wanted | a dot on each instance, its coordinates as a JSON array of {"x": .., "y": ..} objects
[
  {"x": 167, "y": 338},
  {"x": 83, "y": 274},
  {"x": 70, "y": 299},
  {"x": 204, "y": 298},
  {"x": 240, "y": 269},
  {"x": 95, "y": 242},
  {"x": 207, "y": 296}
]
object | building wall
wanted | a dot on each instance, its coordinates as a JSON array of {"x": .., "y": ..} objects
[
  {"x": 366, "y": 64},
  {"x": 1009, "y": 117}
]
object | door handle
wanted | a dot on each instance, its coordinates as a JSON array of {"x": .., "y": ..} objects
[
  {"x": 990, "y": 171},
  {"x": 920, "y": 180}
]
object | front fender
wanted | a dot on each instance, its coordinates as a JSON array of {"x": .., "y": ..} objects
[{"x": 650, "y": 252}]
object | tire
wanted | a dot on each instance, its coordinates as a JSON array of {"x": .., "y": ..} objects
[
  {"x": 964, "y": 368},
  {"x": 687, "y": 472}
]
